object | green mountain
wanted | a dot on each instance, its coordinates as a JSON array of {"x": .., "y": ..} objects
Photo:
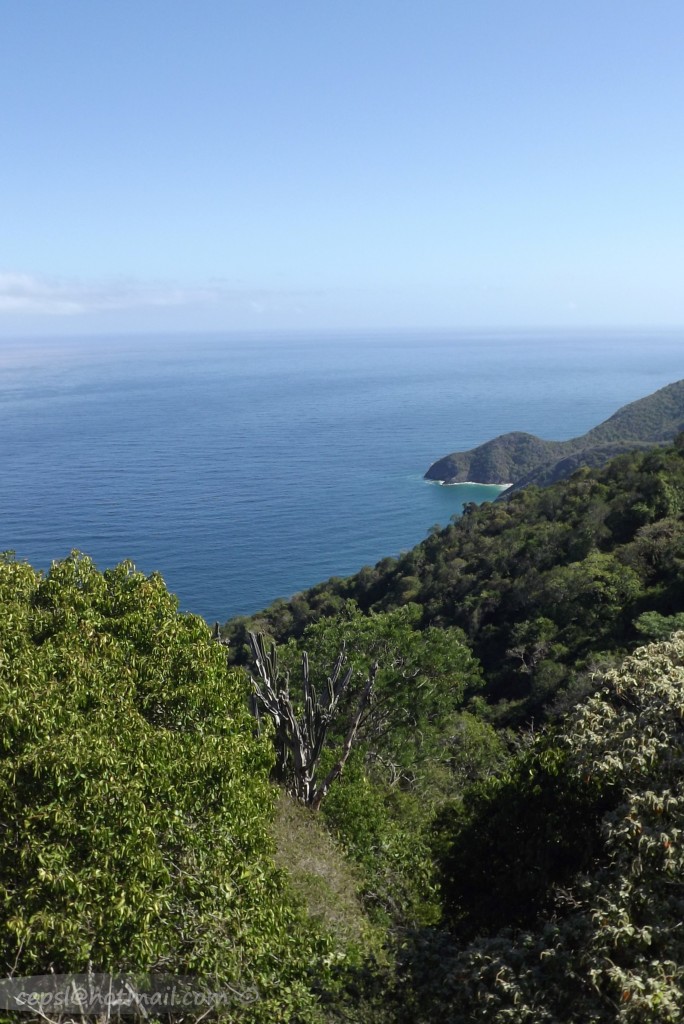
[{"x": 522, "y": 459}]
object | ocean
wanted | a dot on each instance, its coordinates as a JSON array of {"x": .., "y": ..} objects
[{"x": 245, "y": 467}]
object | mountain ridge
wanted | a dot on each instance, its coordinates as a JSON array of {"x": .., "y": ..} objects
[{"x": 520, "y": 458}]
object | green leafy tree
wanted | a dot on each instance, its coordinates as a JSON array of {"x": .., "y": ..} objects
[
  {"x": 659, "y": 627},
  {"x": 422, "y": 680},
  {"x": 605, "y": 944},
  {"x": 407, "y": 741},
  {"x": 134, "y": 799}
]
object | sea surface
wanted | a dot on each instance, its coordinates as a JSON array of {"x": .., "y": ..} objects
[{"x": 245, "y": 467}]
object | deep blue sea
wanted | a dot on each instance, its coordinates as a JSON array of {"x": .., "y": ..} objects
[{"x": 247, "y": 467}]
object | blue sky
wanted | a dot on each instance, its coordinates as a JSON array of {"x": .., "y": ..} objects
[{"x": 236, "y": 164}]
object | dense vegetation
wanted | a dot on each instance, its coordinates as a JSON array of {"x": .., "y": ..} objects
[
  {"x": 549, "y": 590},
  {"x": 135, "y": 801},
  {"x": 547, "y": 586},
  {"x": 504, "y": 842},
  {"x": 523, "y": 459},
  {"x": 589, "y": 824}
]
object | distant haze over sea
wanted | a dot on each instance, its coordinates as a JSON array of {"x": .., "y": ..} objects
[{"x": 247, "y": 467}]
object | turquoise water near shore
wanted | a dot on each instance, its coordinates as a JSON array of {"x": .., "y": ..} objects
[{"x": 247, "y": 467}]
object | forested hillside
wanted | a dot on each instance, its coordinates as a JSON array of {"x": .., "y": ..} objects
[
  {"x": 522, "y": 459},
  {"x": 499, "y": 835},
  {"x": 547, "y": 585},
  {"x": 491, "y": 823},
  {"x": 562, "y": 878}
]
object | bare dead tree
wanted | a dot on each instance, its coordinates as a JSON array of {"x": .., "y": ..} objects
[{"x": 300, "y": 738}]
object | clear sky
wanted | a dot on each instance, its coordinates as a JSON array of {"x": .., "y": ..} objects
[{"x": 231, "y": 164}]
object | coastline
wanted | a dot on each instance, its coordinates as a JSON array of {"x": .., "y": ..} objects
[{"x": 470, "y": 483}]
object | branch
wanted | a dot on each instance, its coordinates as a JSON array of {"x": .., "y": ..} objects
[{"x": 338, "y": 767}]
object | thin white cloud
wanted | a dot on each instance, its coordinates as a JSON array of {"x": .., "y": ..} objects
[
  {"x": 29, "y": 294},
  {"x": 22, "y": 293}
]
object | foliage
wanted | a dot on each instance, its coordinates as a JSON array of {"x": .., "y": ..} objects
[
  {"x": 423, "y": 677},
  {"x": 134, "y": 798},
  {"x": 406, "y": 746},
  {"x": 300, "y": 734},
  {"x": 659, "y": 627},
  {"x": 385, "y": 832},
  {"x": 549, "y": 911},
  {"x": 544, "y": 585},
  {"x": 477, "y": 749},
  {"x": 528, "y": 874},
  {"x": 609, "y": 948},
  {"x": 513, "y": 838}
]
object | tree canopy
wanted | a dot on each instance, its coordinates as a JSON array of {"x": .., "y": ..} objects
[
  {"x": 581, "y": 560},
  {"x": 595, "y": 814},
  {"x": 134, "y": 797},
  {"x": 504, "y": 804}
]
